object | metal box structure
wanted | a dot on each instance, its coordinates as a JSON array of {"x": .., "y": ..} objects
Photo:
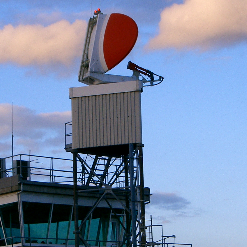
[
  {"x": 21, "y": 167},
  {"x": 2, "y": 168},
  {"x": 106, "y": 114}
]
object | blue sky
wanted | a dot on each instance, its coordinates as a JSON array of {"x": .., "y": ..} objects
[{"x": 194, "y": 123}]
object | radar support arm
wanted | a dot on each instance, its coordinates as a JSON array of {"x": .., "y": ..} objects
[{"x": 139, "y": 70}]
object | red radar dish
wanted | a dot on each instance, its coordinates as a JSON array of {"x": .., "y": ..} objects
[
  {"x": 119, "y": 38},
  {"x": 107, "y": 43}
]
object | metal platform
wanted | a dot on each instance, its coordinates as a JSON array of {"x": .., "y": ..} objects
[{"x": 39, "y": 210}]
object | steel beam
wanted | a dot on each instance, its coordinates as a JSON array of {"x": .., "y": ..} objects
[
  {"x": 142, "y": 201},
  {"x": 76, "y": 232},
  {"x": 133, "y": 193}
]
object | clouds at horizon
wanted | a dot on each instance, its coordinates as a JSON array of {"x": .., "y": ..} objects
[
  {"x": 32, "y": 131},
  {"x": 168, "y": 201},
  {"x": 202, "y": 25},
  {"x": 167, "y": 207}
]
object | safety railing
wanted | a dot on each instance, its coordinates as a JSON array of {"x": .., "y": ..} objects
[
  {"x": 38, "y": 168},
  {"x": 68, "y": 135}
]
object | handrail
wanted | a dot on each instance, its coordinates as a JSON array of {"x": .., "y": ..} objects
[{"x": 33, "y": 167}]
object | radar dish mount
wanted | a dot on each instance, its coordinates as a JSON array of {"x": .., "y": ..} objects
[{"x": 153, "y": 80}]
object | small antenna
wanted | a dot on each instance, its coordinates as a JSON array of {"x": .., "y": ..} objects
[{"x": 12, "y": 139}]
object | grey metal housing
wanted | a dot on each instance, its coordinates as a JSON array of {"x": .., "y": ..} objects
[{"x": 106, "y": 114}]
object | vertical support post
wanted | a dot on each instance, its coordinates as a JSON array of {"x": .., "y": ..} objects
[
  {"x": 20, "y": 168},
  {"x": 12, "y": 137},
  {"x": 57, "y": 227},
  {"x": 76, "y": 232},
  {"x": 3, "y": 228},
  {"x": 21, "y": 220},
  {"x": 152, "y": 237},
  {"x": 128, "y": 223},
  {"x": 133, "y": 193},
  {"x": 142, "y": 201},
  {"x": 49, "y": 223},
  {"x": 10, "y": 227},
  {"x": 52, "y": 171},
  {"x": 68, "y": 230}
]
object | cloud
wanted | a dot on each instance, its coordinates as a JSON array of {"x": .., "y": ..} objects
[
  {"x": 58, "y": 43},
  {"x": 202, "y": 25},
  {"x": 168, "y": 207},
  {"x": 168, "y": 201},
  {"x": 5, "y": 148},
  {"x": 32, "y": 131}
]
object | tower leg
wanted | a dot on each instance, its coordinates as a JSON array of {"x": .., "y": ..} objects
[
  {"x": 76, "y": 232},
  {"x": 133, "y": 194},
  {"x": 128, "y": 222},
  {"x": 142, "y": 201}
]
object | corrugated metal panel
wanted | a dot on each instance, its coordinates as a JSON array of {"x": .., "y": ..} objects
[{"x": 105, "y": 120}]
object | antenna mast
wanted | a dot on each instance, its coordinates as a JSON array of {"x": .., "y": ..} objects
[{"x": 12, "y": 137}]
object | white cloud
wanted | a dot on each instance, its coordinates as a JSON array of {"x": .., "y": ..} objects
[
  {"x": 58, "y": 43},
  {"x": 202, "y": 25},
  {"x": 32, "y": 131}
]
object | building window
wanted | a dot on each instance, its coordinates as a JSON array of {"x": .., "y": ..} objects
[{"x": 9, "y": 223}]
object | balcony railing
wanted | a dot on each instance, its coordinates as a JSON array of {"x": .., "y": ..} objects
[
  {"x": 68, "y": 136},
  {"x": 38, "y": 168}
]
